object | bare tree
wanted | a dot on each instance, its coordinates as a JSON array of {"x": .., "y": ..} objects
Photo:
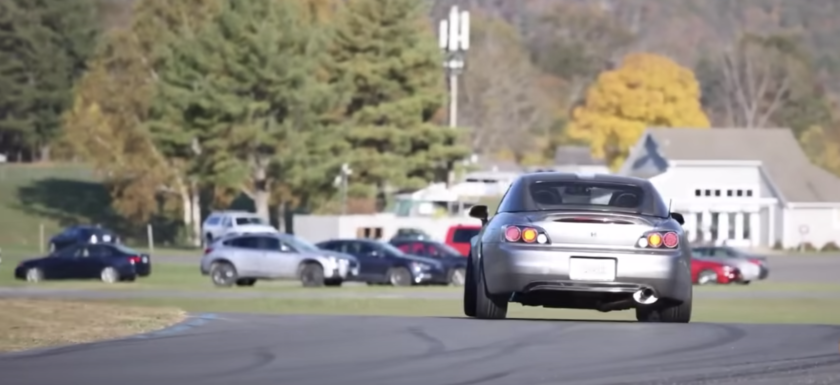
[
  {"x": 501, "y": 101},
  {"x": 758, "y": 75}
]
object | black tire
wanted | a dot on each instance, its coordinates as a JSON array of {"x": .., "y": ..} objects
[
  {"x": 488, "y": 306},
  {"x": 399, "y": 276},
  {"x": 223, "y": 274},
  {"x": 469, "y": 290},
  {"x": 246, "y": 282},
  {"x": 334, "y": 282},
  {"x": 744, "y": 282},
  {"x": 312, "y": 275},
  {"x": 680, "y": 313}
]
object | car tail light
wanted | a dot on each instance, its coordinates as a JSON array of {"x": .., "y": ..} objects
[
  {"x": 513, "y": 234},
  {"x": 671, "y": 240},
  {"x": 655, "y": 240},
  {"x": 134, "y": 259},
  {"x": 525, "y": 234},
  {"x": 207, "y": 250},
  {"x": 756, "y": 261}
]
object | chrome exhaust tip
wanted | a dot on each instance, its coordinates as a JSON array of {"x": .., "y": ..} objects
[{"x": 645, "y": 297}]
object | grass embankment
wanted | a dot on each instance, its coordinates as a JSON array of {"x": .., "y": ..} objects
[{"x": 29, "y": 323}]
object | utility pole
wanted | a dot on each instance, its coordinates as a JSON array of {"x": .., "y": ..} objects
[
  {"x": 341, "y": 181},
  {"x": 454, "y": 39}
]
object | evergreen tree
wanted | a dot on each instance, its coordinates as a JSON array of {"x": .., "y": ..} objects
[
  {"x": 388, "y": 50},
  {"x": 249, "y": 95},
  {"x": 45, "y": 46}
]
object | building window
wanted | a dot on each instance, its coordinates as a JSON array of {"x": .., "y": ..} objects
[
  {"x": 708, "y": 193},
  {"x": 717, "y": 193},
  {"x": 698, "y": 193},
  {"x": 740, "y": 193},
  {"x": 749, "y": 193},
  {"x": 729, "y": 193}
]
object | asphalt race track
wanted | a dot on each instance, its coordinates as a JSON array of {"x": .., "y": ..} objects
[{"x": 231, "y": 349}]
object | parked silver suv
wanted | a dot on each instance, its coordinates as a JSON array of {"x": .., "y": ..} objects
[
  {"x": 221, "y": 223},
  {"x": 242, "y": 259}
]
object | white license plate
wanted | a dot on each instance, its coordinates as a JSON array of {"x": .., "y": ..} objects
[{"x": 592, "y": 269}]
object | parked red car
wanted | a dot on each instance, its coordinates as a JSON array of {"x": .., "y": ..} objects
[
  {"x": 459, "y": 236},
  {"x": 707, "y": 271}
]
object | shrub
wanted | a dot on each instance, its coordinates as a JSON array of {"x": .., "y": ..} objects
[{"x": 830, "y": 247}]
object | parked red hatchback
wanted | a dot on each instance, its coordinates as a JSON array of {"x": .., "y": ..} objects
[{"x": 459, "y": 236}]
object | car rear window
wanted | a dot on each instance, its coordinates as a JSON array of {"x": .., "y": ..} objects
[
  {"x": 464, "y": 235},
  {"x": 557, "y": 195},
  {"x": 241, "y": 221},
  {"x": 125, "y": 249}
]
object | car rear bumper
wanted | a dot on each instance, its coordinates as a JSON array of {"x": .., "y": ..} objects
[{"x": 526, "y": 268}]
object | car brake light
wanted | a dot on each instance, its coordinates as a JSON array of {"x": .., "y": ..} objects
[
  {"x": 756, "y": 261},
  {"x": 134, "y": 259},
  {"x": 207, "y": 250},
  {"x": 671, "y": 240},
  {"x": 515, "y": 234}
]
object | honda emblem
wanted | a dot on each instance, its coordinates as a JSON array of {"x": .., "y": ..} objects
[{"x": 593, "y": 234}]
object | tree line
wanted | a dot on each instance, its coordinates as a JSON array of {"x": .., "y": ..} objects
[{"x": 183, "y": 106}]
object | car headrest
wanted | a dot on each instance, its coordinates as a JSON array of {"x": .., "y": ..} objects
[
  {"x": 547, "y": 197},
  {"x": 627, "y": 200}
]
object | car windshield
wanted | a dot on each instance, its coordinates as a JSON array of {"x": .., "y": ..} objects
[
  {"x": 586, "y": 195},
  {"x": 389, "y": 248},
  {"x": 240, "y": 221},
  {"x": 299, "y": 243}
]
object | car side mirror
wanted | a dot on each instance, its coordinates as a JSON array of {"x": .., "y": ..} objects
[
  {"x": 679, "y": 218},
  {"x": 480, "y": 212}
]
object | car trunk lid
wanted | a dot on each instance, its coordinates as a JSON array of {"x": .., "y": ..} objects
[{"x": 596, "y": 230}]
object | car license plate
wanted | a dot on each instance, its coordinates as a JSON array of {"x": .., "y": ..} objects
[{"x": 592, "y": 269}]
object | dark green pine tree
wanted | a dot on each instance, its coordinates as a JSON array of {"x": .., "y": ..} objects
[
  {"x": 45, "y": 45},
  {"x": 249, "y": 93},
  {"x": 388, "y": 50}
]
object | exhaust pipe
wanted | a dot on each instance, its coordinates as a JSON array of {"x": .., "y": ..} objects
[{"x": 645, "y": 297}]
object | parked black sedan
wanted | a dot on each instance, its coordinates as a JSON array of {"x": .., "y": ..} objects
[
  {"x": 108, "y": 262},
  {"x": 380, "y": 262},
  {"x": 82, "y": 234},
  {"x": 453, "y": 261}
]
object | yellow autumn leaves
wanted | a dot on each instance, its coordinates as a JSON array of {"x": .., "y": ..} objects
[{"x": 646, "y": 90}]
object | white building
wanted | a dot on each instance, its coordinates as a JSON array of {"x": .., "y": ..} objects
[{"x": 744, "y": 187}]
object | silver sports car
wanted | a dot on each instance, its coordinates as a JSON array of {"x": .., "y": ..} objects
[{"x": 580, "y": 241}]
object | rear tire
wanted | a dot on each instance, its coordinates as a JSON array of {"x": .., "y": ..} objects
[
  {"x": 312, "y": 275},
  {"x": 223, "y": 274},
  {"x": 488, "y": 306},
  {"x": 399, "y": 277},
  {"x": 109, "y": 275},
  {"x": 469, "y": 290},
  {"x": 672, "y": 314},
  {"x": 246, "y": 282}
]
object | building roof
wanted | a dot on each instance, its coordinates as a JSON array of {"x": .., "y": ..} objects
[
  {"x": 777, "y": 149},
  {"x": 575, "y": 156}
]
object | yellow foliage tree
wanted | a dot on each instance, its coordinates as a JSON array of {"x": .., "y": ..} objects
[
  {"x": 647, "y": 90},
  {"x": 821, "y": 149}
]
